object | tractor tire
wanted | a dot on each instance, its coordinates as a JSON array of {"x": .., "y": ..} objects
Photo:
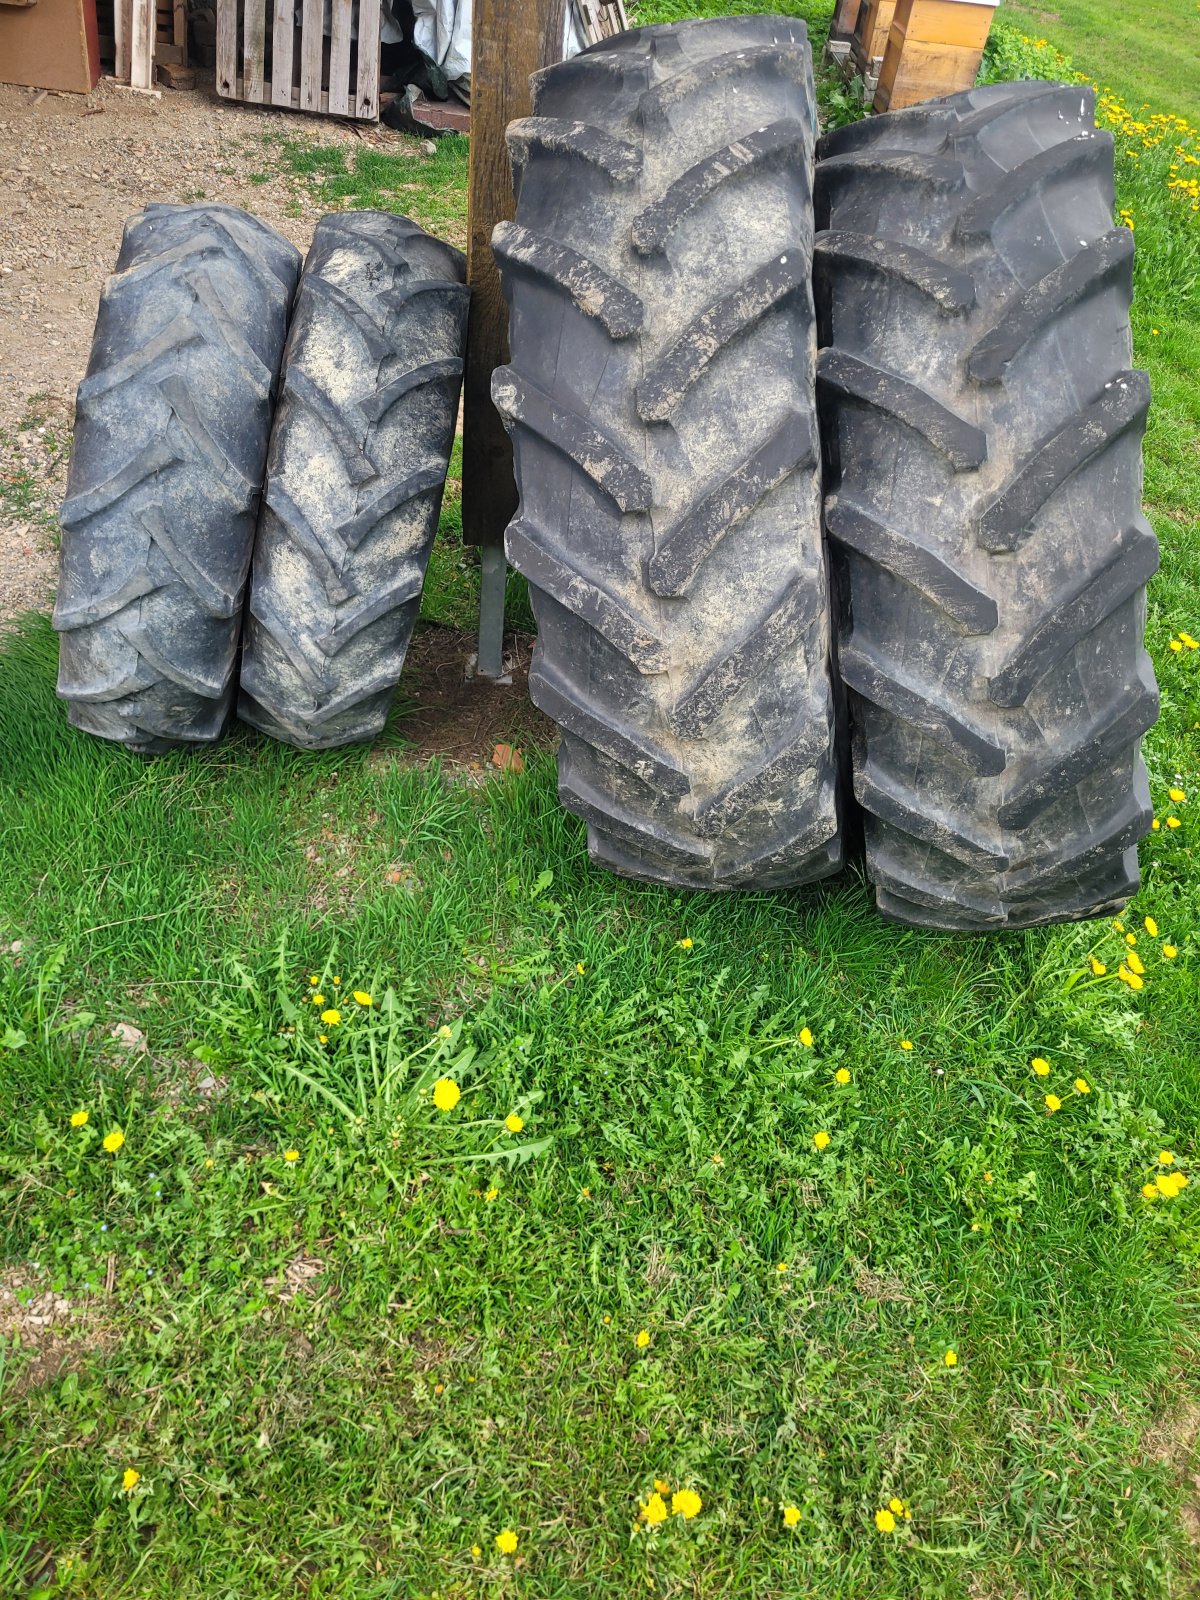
[
  {"x": 982, "y": 430},
  {"x": 355, "y": 474},
  {"x": 171, "y": 428},
  {"x": 661, "y": 399}
]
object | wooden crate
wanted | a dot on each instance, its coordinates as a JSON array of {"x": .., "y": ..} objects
[
  {"x": 871, "y": 34},
  {"x": 265, "y": 56},
  {"x": 51, "y": 45},
  {"x": 934, "y": 47}
]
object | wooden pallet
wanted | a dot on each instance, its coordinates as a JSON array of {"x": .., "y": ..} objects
[
  {"x": 599, "y": 19},
  {"x": 266, "y": 57},
  {"x": 170, "y": 33}
]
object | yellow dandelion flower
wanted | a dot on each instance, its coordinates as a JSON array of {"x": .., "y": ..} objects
[
  {"x": 337, "y": 980},
  {"x": 79, "y": 1119},
  {"x": 806, "y": 1038},
  {"x": 1134, "y": 962},
  {"x": 476, "y": 1552},
  {"x": 655, "y": 1509},
  {"x": 113, "y": 1141},
  {"x": 821, "y": 1139},
  {"x": 323, "y": 1038},
  {"x": 1053, "y": 1104},
  {"x": 1150, "y": 1192},
  {"x": 781, "y": 1266},
  {"x": 1118, "y": 925},
  {"x": 361, "y": 997},
  {"x": 951, "y": 1358},
  {"x": 1155, "y": 826},
  {"x": 317, "y": 999},
  {"x": 683, "y": 944},
  {"x": 1131, "y": 939},
  {"x": 841, "y": 1076},
  {"x": 209, "y": 1162},
  {"x": 332, "y": 1017},
  {"x": 580, "y": 968},
  {"x": 1176, "y": 646},
  {"x": 1150, "y": 925},
  {"x": 1133, "y": 979},
  {"x": 513, "y": 1122},
  {"x": 291, "y": 1155},
  {"x": 1173, "y": 822},
  {"x": 686, "y": 1503},
  {"x": 896, "y": 1506},
  {"x": 1167, "y": 1184},
  {"x": 130, "y": 1479},
  {"x": 446, "y": 1094},
  {"x": 661, "y": 1486},
  {"x": 1178, "y": 796},
  {"x": 506, "y": 1541},
  {"x": 1169, "y": 951},
  {"x": 314, "y": 980},
  {"x": 1082, "y": 1086},
  {"x": 1190, "y": 643},
  {"x": 1098, "y": 968},
  {"x": 906, "y": 1044},
  {"x": 885, "y": 1521},
  {"x": 1041, "y": 1066},
  {"x": 643, "y": 1339},
  {"x": 492, "y": 1194},
  {"x": 1166, "y": 1158},
  {"x": 791, "y": 1516}
]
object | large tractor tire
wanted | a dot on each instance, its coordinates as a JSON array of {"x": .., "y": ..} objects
[
  {"x": 661, "y": 400},
  {"x": 355, "y": 476},
  {"x": 171, "y": 428},
  {"x": 982, "y": 429}
]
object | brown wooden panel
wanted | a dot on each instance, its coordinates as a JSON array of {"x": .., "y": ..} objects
[
  {"x": 122, "y": 19},
  {"x": 339, "y": 57},
  {"x": 254, "y": 50},
  {"x": 52, "y": 45},
  {"x": 141, "y": 45},
  {"x": 367, "y": 102},
  {"x": 283, "y": 38},
  {"x": 510, "y": 41},
  {"x": 227, "y": 49},
  {"x": 312, "y": 41}
]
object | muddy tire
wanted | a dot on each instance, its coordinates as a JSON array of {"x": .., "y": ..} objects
[
  {"x": 355, "y": 475},
  {"x": 982, "y": 428},
  {"x": 662, "y": 406},
  {"x": 171, "y": 428}
]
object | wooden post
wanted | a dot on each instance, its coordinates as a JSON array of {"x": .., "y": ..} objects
[{"x": 509, "y": 42}]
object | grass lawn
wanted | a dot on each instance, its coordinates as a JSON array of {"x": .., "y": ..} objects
[{"x": 312, "y": 1329}]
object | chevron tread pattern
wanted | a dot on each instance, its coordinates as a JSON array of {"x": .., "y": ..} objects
[
  {"x": 661, "y": 400},
  {"x": 172, "y": 422},
  {"x": 355, "y": 476},
  {"x": 993, "y": 602}
]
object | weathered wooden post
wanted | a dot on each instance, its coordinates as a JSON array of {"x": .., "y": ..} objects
[{"x": 510, "y": 40}]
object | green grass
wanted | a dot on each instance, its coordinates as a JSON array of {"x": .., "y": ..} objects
[
  {"x": 337, "y": 1375},
  {"x": 432, "y": 189},
  {"x": 1145, "y": 54}
]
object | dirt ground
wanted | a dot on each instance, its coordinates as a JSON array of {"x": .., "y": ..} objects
[{"x": 72, "y": 168}]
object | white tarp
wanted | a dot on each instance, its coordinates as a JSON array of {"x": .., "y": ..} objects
[{"x": 443, "y": 31}]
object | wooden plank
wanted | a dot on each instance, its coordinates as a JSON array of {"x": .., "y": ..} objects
[
  {"x": 844, "y": 18},
  {"x": 926, "y": 71},
  {"x": 951, "y": 22},
  {"x": 283, "y": 37},
  {"x": 254, "y": 50},
  {"x": 508, "y": 43},
  {"x": 227, "y": 52},
  {"x": 339, "y": 57},
  {"x": 312, "y": 39},
  {"x": 121, "y": 19},
  {"x": 141, "y": 45},
  {"x": 368, "y": 60},
  {"x": 179, "y": 17}
]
